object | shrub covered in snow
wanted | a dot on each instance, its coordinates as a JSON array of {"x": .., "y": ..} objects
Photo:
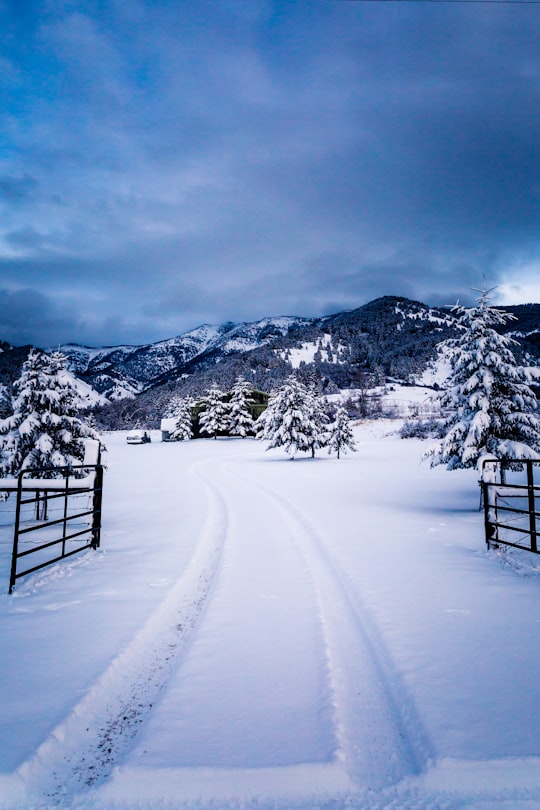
[{"x": 422, "y": 429}]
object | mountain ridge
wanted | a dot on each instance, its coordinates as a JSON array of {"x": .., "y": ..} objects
[{"x": 390, "y": 336}]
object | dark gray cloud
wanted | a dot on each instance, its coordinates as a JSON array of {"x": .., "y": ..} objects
[
  {"x": 168, "y": 164},
  {"x": 27, "y": 316}
]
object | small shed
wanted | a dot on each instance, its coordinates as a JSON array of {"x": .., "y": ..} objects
[
  {"x": 259, "y": 402},
  {"x": 167, "y": 426}
]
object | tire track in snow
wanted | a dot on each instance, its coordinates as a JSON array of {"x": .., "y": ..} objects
[
  {"x": 82, "y": 750},
  {"x": 255, "y": 668},
  {"x": 380, "y": 736}
]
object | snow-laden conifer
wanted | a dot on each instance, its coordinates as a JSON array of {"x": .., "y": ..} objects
[
  {"x": 214, "y": 418},
  {"x": 240, "y": 419},
  {"x": 183, "y": 426},
  {"x": 294, "y": 419},
  {"x": 320, "y": 417},
  {"x": 44, "y": 429},
  {"x": 492, "y": 410},
  {"x": 340, "y": 435}
]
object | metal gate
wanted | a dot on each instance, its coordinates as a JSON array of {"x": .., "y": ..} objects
[
  {"x": 511, "y": 497},
  {"x": 55, "y": 517}
]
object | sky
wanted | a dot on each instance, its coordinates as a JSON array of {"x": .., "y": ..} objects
[{"x": 168, "y": 163}]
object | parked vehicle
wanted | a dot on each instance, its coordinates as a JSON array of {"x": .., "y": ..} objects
[{"x": 138, "y": 437}]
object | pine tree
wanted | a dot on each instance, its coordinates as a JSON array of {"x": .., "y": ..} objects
[
  {"x": 492, "y": 408},
  {"x": 340, "y": 437},
  {"x": 44, "y": 430},
  {"x": 319, "y": 410},
  {"x": 240, "y": 419},
  {"x": 5, "y": 402},
  {"x": 293, "y": 419},
  {"x": 181, "y": 411},
  {"x": 68, "y": 430},
  {"x": 214, "y": 418}
]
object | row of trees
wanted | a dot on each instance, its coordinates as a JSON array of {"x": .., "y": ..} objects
[
  {"x": 222, "y": 412},
  {"x": 296, "y": 418}
]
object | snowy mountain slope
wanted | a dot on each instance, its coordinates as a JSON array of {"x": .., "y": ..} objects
[
  {"x": 324, "y": 348},
  {"x": 395, "y": 334},
  {"x": 116, "y": 370},
  {"x": 526, "y": 330},
  {"x": 81, "y": 357},
  {"x": 126, "y": 370},
  {"x": 390, "y": 336},
  {"x": 249, "y": 336},
  {"x": 87, "y": 396},
  {"x": 392, "y": 333}
]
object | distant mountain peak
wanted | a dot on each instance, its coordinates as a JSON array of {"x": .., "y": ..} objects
[{"x": 390, "y": 335}]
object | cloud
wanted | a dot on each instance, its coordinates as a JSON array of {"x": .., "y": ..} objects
[
  {"x": 170, "y": 162},
  {"x": 520, "y": 284},
  {"x": 28, "y": 317}
]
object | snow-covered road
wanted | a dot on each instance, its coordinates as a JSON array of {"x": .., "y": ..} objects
[
  {"x": 281, "y": 648},
  {"x": 264, "y": 633}
]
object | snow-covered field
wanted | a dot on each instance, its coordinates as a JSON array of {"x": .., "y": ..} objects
[{"x": 260, "y": 633}]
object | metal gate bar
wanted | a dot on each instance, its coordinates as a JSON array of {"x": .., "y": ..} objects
[
  {"x": 493, "y": 494},
  {"x": 51, "y": 492}
]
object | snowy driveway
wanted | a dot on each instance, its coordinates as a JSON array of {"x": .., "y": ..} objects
[{"x": 260, "y": 632}]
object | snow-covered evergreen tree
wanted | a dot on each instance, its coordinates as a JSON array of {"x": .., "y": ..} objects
[
  {"x": 240, "y": 419},
  {"x": 293, "y": 419},
  {"x": 90, "y": 422},
  {"x": 44, "y": 429},
  {"x": 492, "y": 410},
  {"x": 5, "y": 402},
  {"x": 321, "y": 418},
  {"x": 181, "y": 411},
  {"x": 340, "y": 435},
  {"x": 214, "y": 418}
]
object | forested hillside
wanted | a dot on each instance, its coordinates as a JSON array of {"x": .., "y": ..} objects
[{"x": 390, "y": 337}]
